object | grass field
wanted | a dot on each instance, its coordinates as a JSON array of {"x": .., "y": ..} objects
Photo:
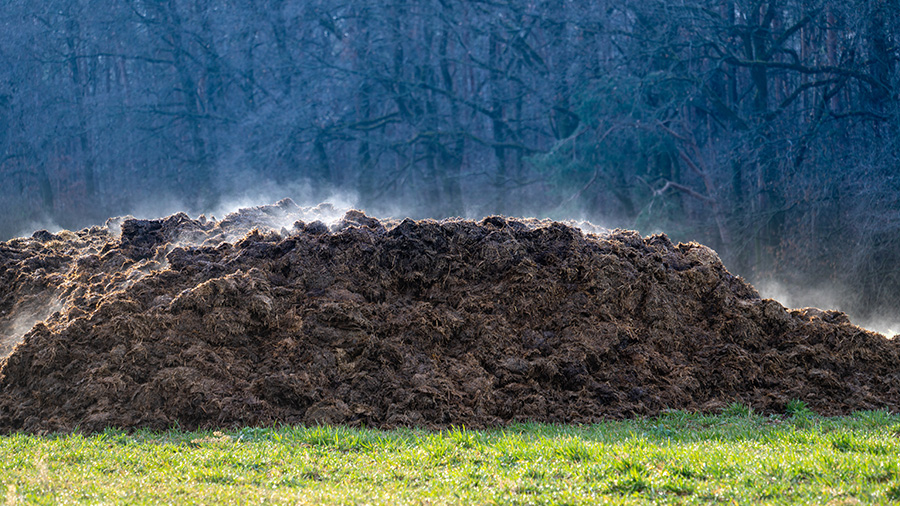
[{"x": 679, "y": 458}]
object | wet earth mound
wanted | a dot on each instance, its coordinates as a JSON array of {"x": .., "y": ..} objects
[{"x": 271, "y": 315}]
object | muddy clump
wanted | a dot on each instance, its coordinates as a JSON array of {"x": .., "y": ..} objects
[{"x": 274, "y": 315}]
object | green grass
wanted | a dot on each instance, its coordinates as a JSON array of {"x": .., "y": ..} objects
[{"x": 679, "y": 458}]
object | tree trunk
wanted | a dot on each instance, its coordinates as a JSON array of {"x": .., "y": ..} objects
[
  {"x": 497, "y": 113},
  {"x": 73, "y": 35},
  {"x": 451, "y": 157}
]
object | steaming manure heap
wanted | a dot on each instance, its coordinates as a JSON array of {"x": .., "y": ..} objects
[{"x": 271, "y": 316}]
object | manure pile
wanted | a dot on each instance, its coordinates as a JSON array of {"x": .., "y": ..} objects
[{"x": 269, "y": 316}]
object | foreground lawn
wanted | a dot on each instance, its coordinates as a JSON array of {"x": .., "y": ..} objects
[{"x": 679, "y": 458}]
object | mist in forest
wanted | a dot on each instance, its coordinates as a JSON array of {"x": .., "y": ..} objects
[{"x": 769, "y": 131}]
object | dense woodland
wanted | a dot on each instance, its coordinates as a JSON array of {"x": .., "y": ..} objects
[{"x": 768, "y": 130}]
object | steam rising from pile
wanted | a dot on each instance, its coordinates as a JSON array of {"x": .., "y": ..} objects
[
  {"x": 54, "y": 258},
  {"x": 306, "y": 315}
]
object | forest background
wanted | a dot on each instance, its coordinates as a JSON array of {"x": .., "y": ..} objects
[{"x": 768, "y": 130}]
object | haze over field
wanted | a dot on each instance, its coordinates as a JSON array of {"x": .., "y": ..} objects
[{"x": 769, "y": 131}]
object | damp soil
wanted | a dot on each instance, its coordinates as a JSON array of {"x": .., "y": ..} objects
[{"x": 271, "y": 316}]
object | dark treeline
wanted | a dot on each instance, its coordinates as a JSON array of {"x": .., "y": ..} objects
[{"x": 766, "y": 129}]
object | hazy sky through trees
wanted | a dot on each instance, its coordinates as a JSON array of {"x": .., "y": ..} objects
[{"x": 765, "y": 129}]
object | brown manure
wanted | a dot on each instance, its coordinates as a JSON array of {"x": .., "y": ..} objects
[{"x": 270, "y": 316}]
